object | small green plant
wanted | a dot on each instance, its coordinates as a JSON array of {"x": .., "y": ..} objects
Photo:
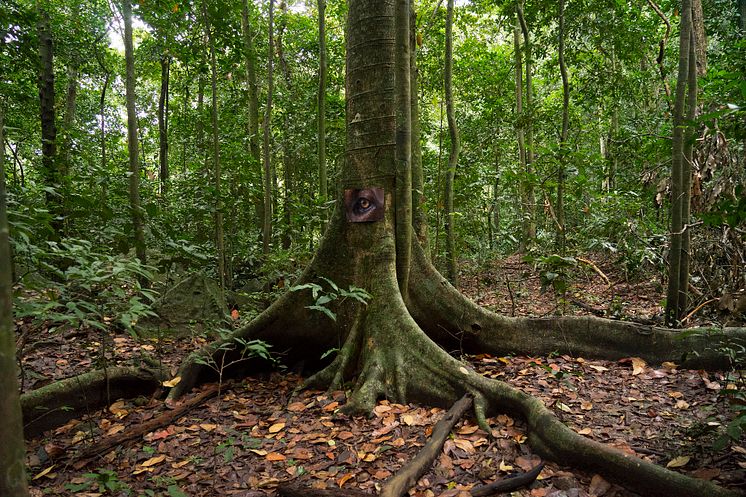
[
  {"x": 79, "y": 285},
  {"x": 247, "y": 349},
  {"x": 322, "y": 298},
  {"x": 103, "y": 481},
  {"x": 555, "y": 271}
]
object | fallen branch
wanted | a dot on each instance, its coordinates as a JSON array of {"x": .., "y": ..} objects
[
  {"x": 696, "y": 309},
  {"x": 509, "y": 483},
  {"x": 596, "y": 269},
  {"x": 164, "y": 419},
  {"x": 407, "y": 476},
  {"x": 292, "y": 489}
]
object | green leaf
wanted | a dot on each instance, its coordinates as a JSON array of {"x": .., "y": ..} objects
[{"x": 326, "y": 311}]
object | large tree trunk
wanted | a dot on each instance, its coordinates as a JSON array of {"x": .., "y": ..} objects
[
  {"x": 12, "y": 451},
  {"x": 449, "y": 214},
  {"x": 419, "y": 220},
  {"x": 387, "y": 345},
  {"x": 53, "y": 177},
  {"x": 134, "y": 163},
  {"x": 288, "y": 159},
  {"x": 676, "y": 295}
]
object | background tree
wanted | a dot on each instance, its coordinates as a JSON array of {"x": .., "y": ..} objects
[{"x": 12, "y": 452}]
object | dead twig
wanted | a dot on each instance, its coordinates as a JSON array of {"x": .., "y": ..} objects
[
  {"x": 164, "y": 419},
  {"x": 509, "y": 483},
  {"x": 596, "y": 269},
  {"x": 700, "y": 306}
]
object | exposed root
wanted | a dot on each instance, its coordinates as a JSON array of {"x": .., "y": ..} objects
[
  {"x": 407, "y": 476},
  {"x": 458, "y": 323},
  {"x": 509, "y": 483},
  {"x": 55, "y": 404}
]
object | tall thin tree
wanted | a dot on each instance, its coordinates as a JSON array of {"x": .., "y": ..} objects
[
  {"x": 138, "y": 221},
  {"x": 216, "y": 171},
  {"x": 676, "y": 295},
  {"x": 321, "y": 126},
  {"x": 561, "y": 166},
  {"x": 450, "y": 215},
  {"x": 267, "y": 166},
  {"x": 12, "y": 452}
]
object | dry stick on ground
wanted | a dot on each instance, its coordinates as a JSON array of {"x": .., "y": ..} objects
[
  {"x": 700, "y": 306},
  {"x": 596, "y": 269},
  {"x": 406, "y": 477},
  {"x": 164, "y": 419}
]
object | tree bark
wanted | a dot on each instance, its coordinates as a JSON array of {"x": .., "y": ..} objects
[
  {"x": 449, "y": 214},
  {"x": 418, "y": 177},
  {"x": 163, "y": 123},
  {"x": 686, "y": 174},
  {"x": 288, "y": 158},
  {"x": 12, "y": 451},
  {"x": 700, "y": 38},
  {"x": 527, "y": 217},
  {"x": 219, "y": 240},
  {"x": 52, "y": 173},
  {"x": 250, "y": 61},
  {"x": 529, "y": 119},
  {"x": 403, "y": 106},
  {"x": 560, "y": 209},
  {"x": 267, "y": 218},
  {"x": 134, "y": 162},
  {"x": 675, "y": 293},
  {"x": 321, "y": 97}
]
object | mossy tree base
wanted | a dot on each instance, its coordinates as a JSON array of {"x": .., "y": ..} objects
[{"x": 387, "y": 353}]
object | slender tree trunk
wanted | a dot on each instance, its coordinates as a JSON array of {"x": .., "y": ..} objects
[
  {"x": 560, "y": 210},
  {"x": 419, "y": 220},
  {"x": 287, "y": 153},
  {"x": 200, "y": 125},
  {"x": 267, "y": 218},
  {"x": 527, "y": 217},
  {"x": 134, "y": 164},
  {"x": 686, "y": 172},
  {"x": 163, "y": 124},
  {"x": 451, "y": 269},
  {"x": 528, "y": 119},
  {"x": 50, "y": 164},
  {"x": 68, "y": 119},
  {"x": 219, "y": 238},
  {"x": 700, "y": 37},
  {"x": 12, "y": 451},
  {"x": 675, "y": 292},
  {"x": 102, "y": 113},
  {"x": 250, "y": 60},
  {"x": 321, "y": 125}
]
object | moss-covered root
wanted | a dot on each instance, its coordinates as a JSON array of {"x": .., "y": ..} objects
[
  {"x": 398, "y": 361},
  {"x": 456, "y": 322},
  {"x": 55, "y": 404}
]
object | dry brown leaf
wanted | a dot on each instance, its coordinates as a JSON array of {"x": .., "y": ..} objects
[
  {"x": 505, "y": 467},
  {"x": 172, "y": 382},
  {"x": 598, "y": 486},
  {"x": 259, "y": 452},
  {"x": 344, "y": 479},
  {"x": 276, "y": 427},
  {"x": 467, "y": 429},
  {"x": 678, "y": 462},
  {"x": 153, "y": 461},
  {"x": 275, "y": 456},
  {"x": 297, "y": 407},
  {"x": 47, "y": 472},
  {"x": 115, "y": 429},
  {"x": 638, "y": 366},
  {"x": 208, "y": 426},
  {"x": 600, "y": 369}
]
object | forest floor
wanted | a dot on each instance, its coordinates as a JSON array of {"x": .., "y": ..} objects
[{"x": 252, "y": 435}]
